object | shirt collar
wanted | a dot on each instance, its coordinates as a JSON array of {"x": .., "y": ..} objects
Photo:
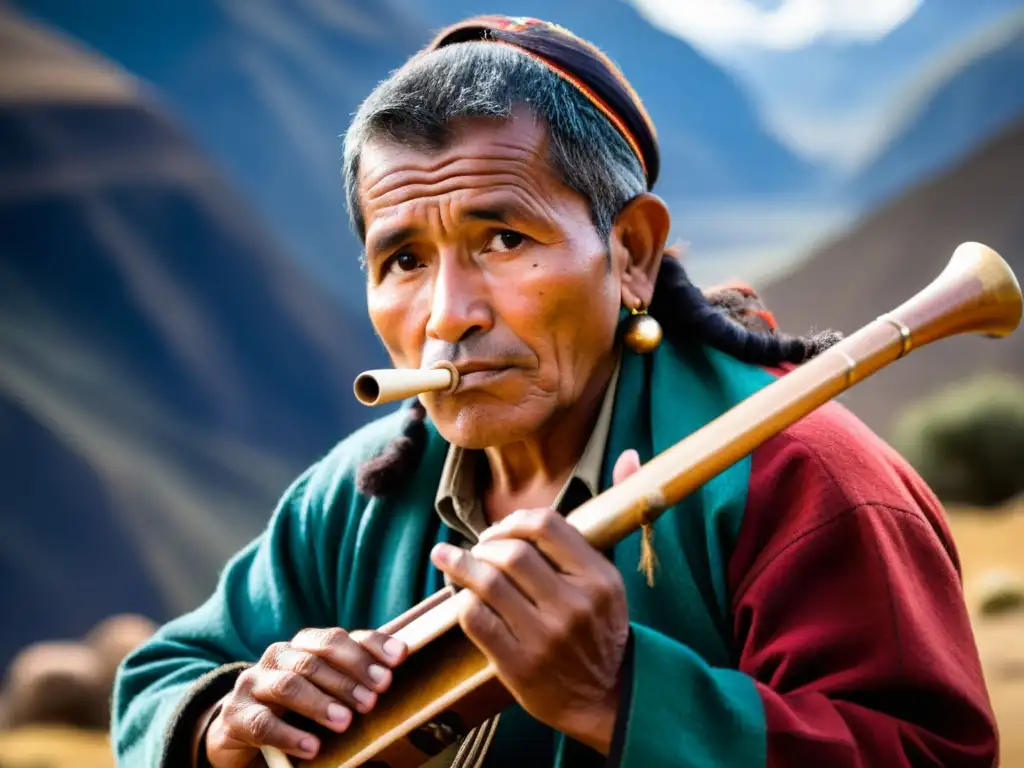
[{"x": 458, "y": 503}]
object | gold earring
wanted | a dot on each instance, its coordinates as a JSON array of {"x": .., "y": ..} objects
[{"x": 643, "y": 334}]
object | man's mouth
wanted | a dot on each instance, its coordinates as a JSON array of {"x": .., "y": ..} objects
[{"x": 478, "y": 372}]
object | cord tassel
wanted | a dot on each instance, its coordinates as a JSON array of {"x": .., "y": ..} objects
[{"x": 648, "y": 558}]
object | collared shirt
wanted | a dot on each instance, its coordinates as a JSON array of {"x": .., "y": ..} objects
[{"x": 458, "y": 500}]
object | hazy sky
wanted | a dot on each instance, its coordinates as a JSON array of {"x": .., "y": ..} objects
[{"x": 720, "y": 25}]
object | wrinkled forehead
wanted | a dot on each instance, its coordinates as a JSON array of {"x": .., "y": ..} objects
[{"x": 478, "y": 157}]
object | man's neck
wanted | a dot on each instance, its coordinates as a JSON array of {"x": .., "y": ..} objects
[{"x": 530, "y": 473}]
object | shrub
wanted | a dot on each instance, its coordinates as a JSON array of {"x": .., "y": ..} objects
[{"x": 967, "y": 441}]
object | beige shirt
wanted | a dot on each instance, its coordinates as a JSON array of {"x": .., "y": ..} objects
[{"x": 460, "y": 506}]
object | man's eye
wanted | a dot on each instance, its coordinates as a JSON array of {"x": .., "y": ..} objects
[
  {"x": 506, "y": 240},
  {"x": 404, "y": 261}
]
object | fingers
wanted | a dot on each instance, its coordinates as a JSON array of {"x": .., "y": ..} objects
[
  {"x": 531, "y": 573},
  {"x": 340, "y": 665},
  {"x": 336, "y": 686},
  {"x": 562, "y": 544},
  {"x": 488, "y": 631},
  {"x": 298, "y": 694},
  {"x": 322, "y": 674},
  {"x": 627, "y": 464},
  {"x": 245, "y": 720},
  {"x": 552, "y": 534},
  {"x": 386, "y": 649},
  {"x": 486, "y": 582}
]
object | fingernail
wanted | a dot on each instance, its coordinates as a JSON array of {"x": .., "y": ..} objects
[
  {"x": 393, "y": 648},
  {"x": 308, "y": 745},
  {"x": 443, "y": 552},
  {"x": 377, "y": 673},
  {"x": 363, "y": 695},
  {"x": 337, "y": 713}
]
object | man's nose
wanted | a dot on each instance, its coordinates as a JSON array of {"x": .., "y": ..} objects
[{"x": 459, "y": 304}]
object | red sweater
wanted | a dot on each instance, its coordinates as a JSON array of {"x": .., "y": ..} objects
[{"x": 846, "y": 528}]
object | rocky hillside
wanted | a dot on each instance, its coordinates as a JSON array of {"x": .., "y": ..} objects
[{"x": 894, "y": 252}]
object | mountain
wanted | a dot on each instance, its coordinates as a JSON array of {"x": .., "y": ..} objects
[
  {"x": 165, "y": 368},
  {"x": 832, "y": 100},
  {"x": 268, "y": 86},
  {"x": 896, "y": 251},
  {"x": 964, "y": 99}
]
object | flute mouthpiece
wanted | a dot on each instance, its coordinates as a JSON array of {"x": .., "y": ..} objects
[{"x": 387, "y": 385}]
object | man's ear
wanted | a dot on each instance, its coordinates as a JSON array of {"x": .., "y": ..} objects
[{"x": 637, "y": 245}]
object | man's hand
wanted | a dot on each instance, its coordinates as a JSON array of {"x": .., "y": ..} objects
[
  {"x": 322, "y": 674},
  {"x": 550, "y": 613}
]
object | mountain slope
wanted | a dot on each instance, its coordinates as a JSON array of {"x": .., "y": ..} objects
[
  {"x": 266, "y": 88},
  {"x": 893, "y": 253},
  {"x": 831, "y": 100},
  {"x": 967, "y": 97},
  {"x": 165, "y": 369}
]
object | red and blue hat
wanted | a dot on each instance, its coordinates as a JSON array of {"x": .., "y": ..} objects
[{"x": 576, "y": 61}]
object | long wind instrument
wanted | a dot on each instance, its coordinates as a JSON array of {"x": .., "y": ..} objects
[{"x": 446, "y": 686}]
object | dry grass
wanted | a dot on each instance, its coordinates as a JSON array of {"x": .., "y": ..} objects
[
  {"x": 991, "y": 546},
  {"x": 988, "y": 540},
  {"x": 54, "y": 747}
]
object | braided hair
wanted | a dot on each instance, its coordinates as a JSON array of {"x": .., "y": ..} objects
[{"x": 730, "y": 318}]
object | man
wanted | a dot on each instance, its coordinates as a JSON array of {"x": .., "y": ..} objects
[{"x": 803, "y": 608}]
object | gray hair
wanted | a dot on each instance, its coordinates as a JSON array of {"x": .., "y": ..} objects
[{"x": 480, "y": 79}]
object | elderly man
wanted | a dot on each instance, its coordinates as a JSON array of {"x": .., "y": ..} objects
[{"x": 805, "y": 608}]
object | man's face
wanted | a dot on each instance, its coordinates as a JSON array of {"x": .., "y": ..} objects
[{"x": 479, "y": 254}]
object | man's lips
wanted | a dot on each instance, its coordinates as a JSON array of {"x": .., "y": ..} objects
[
  {"x": 481, "y": 366},
  {"x": 478, "y": 372}
]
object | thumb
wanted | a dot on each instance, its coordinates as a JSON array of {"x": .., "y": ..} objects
[{"x": 627, "y": 464}]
